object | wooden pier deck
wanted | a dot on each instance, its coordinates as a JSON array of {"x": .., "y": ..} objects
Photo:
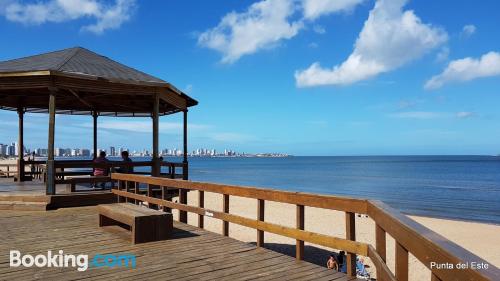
[
  {"x": 191, "y": 254},
  {"x": 30, "y": 196}
]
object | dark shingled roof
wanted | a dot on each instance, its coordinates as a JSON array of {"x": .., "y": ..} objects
[
  {"x": 80, "y": 61},
  {"x": 85, "y": 83}
]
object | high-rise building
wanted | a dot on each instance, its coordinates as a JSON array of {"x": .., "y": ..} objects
[
  {"x": 112, "y": 151},
  {"x": 58, "y": 152},
  {"x": 3, "y": 149},
  {"x": 75, "y": 152},
  {"x": 11, "y": 150},
  {"x": 85, "y": 152}
]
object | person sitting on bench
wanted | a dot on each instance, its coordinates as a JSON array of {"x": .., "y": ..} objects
[
  {"x": 126, "y": 169},
  {"x": 99, "y": 171}
]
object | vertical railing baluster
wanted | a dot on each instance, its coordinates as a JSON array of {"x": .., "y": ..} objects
[
  {"x": 126, "y": 189},
  {"x": 225, "y": 208},
  {"x": 119, "y": 199},
  {"x": 299, "y": 244},
  {"x": 260, "y": 217},
  {"x": 150, "y": 194},
  {"x": 401, "y": 262},
  {"x": 164, "y": 196},
  {"x": 380, "y": 239},
  {"x": 350, "y": 232},
  {"x": 201, "y": 204},
  {"x": 183, "y": 200},
  {"x": 136, "y": 191}
]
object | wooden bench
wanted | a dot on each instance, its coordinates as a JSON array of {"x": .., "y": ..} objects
[
  {"x": 73, "y": 181},
  {"x": 147, "y": 225}
]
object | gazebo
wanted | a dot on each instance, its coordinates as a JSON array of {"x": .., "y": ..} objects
[{"x": 79, "y": 81}]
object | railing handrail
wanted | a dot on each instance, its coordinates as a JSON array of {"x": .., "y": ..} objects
[
  {"x": 301, "y": 198},
  {"x": 427, "y": 245},
  {"x": 423, "y": 243}
]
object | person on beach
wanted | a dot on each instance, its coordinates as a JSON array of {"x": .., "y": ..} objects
[
  {"x": 332, "y": 263},
  {"x": 126, "y": 159},
  {"x": 361, "y": 272},
  {"x": 100, "y": 171},
  {"x": 341, "y": 262}
]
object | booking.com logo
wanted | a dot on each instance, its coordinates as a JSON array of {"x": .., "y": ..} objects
[{"x": 80, "y": 262}]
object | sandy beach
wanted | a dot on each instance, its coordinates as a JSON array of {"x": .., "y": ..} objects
[{"x": 481, "y": 239}]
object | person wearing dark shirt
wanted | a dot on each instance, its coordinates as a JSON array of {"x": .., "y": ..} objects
[{"x": 126, "y": 169}]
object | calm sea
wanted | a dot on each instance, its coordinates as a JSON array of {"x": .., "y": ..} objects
[{"x": 455, "y": 187}]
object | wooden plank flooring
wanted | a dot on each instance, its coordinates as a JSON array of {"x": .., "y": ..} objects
[{"x": 191, "y": 253}]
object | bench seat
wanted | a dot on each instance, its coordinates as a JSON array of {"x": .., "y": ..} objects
[
  {"x": 74, "y": 180},
  {"x": 147, "y": 225}
]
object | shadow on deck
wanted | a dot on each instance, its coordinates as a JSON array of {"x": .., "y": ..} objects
[{"x": 191, "y": 254}]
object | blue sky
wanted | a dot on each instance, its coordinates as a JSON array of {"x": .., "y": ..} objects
[{"x": 306, "y": 77}]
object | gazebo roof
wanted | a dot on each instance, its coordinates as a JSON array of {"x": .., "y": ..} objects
[{"x": 84, "y": 82}]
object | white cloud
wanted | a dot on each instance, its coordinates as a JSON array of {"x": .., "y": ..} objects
[
  {"x": 443, "y": 54},
  {"x": 263, "y": 25},
  {"x": 467, "y": 69},
  {"x": 106, "y": 16},
  {"x": 417, "y": 115},
  {"x": 423, "y": 115},
  {"x": 316, "y": 8},
  {"x": 313, "y": 45},
  {"x": 389, "y": 39},
  {"x": 232, "y": 137},
  {"x": 468, "y": 30},
  {"x": 145, "y": 126},
  {"x": 465, "y": 114},
  {"x": 319, "y": 29},
  {"x": 405, "y": 104}
]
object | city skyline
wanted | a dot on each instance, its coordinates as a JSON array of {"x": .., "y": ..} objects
[{"x": 11, "y": 150}]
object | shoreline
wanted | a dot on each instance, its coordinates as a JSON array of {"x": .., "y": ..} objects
[{"x": 449, "y": 219}]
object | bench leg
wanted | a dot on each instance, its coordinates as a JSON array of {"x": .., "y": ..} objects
[
  {"x": 163, "y": 227},
  {"x": 105, "y": 221},
  {"x": 143, "y": 231}
]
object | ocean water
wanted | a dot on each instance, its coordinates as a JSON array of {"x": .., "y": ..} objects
[{"x": 454, "y": 187}]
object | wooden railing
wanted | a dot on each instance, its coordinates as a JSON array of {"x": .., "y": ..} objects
[
  {"x": 7, "y": 171},
  {"x": 410, "y": 236},
  {"x": 36, "y": 168}
]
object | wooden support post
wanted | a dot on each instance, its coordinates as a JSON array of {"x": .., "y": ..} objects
[
  {"x": 401, "y": 263},
  {"x": 20, "y": 146},
  {"x": 185, "y": 166},
  {"x": 94, "y": 117},
  {"x": 50, "y": 183},
  {"x": 201, "y": 204},
  {"x": 225, "y": 209},
  {"x": 299, "y": 244},
  {"x": 155, "y": 168},
  {"x": 260, "y": 217},
  {"x": 380, "y": 244},
  {"x": 183, "y": 200},
  {"x": 350, "y": 232}
]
